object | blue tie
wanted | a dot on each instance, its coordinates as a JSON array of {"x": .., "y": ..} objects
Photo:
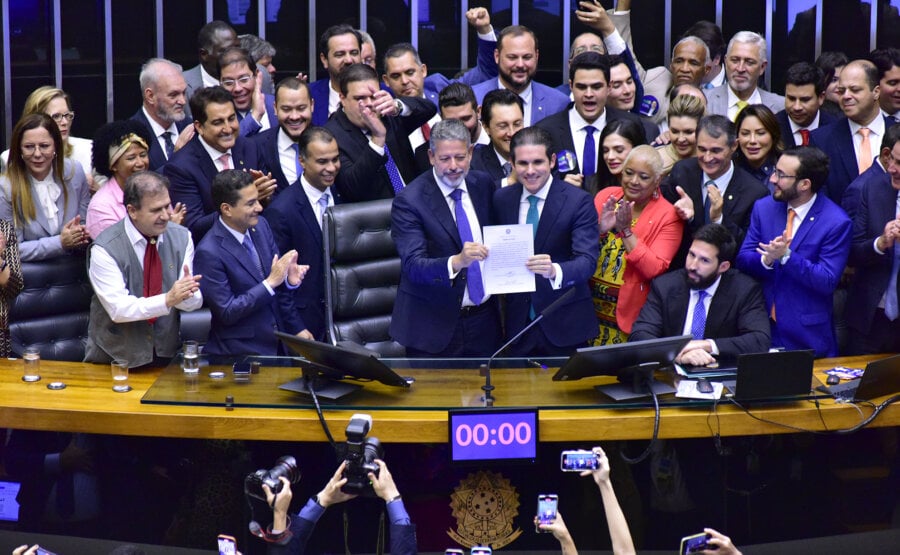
[
  {"x": 532, "y": 218},
  {"x": 323, "y": 206},
  {"x": 698, "y": 324},
  {"x": 299, "y": 168},
  {"x": 393, "y": 172},
  {"x": 589, "y": 155},
  {"x": 251, "y": 250},
  {"x": 170, "y": 147},
  {"x": 706, "y": 202},
  {"x": 474, "y": 283}
]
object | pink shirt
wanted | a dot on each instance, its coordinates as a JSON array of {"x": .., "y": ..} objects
[{"x": 106, "y": 208}]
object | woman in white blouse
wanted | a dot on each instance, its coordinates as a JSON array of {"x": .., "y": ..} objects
[{"x": 42, "y": 193}]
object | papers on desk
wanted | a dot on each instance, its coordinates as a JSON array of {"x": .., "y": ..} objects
[
  {"x": 687, "y": 389},
  {"x": 509, "y": 248}
]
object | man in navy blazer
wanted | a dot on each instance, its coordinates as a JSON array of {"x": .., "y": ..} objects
[
  {"x": 163, "y": 109},
  {"x": 372, "y": 130},
  {"x": 441, "y": 309},
  {"x": 215, "y": 147},
  {"x": 296, "y": 219},
  {"x": 878, "y": 172},
  {"x": 501, "y": 118},
  {"x": 566, "y": 246},
  {"x": 517, "y": 59},
  {"x": 406, "y": 75},
  {"x": 241, "y": 77},
  {"x": 872, "y": 299},
  {"x": 277, "y": 148},
  {"x": 842, "y": 140},
  {"x": 712, "y": 175},
  {"x": 797, "y": 247},
  {"x": 246, "y": 283},
  {"x": 589, "y": 78},
  {"x": 804, "y": 93},
  {"x": 339, "y": 47},
  {"x": 735, "y": 321}
]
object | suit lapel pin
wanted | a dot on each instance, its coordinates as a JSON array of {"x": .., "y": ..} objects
[{"x": 730, "y": 197}]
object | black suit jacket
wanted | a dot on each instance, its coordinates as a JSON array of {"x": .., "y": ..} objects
[
  {"x": 266, "y": 145},
  {"x": 157, "y": 155},
  {"x": 363, "y": 175},
  {"x": 787, "y": 136},
  {"x": 484, "y": 159},
  {"x": 736, "y": 320},
  {"x": 190, "y": 173},
  {"x": 295, "y": 226},
  {"x": 877, "y": 205},
  {"x": 742, "y": 193},
  {"x": 561, "y": 131}
]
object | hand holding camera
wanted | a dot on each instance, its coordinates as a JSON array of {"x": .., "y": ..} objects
[{"x": 333, "y": 492}]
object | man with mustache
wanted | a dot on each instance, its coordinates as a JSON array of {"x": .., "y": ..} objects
[
  {"x": 163, "y": 109},
  {"x": 441, "y": 309},
  {"x": 720, "y": 307}
]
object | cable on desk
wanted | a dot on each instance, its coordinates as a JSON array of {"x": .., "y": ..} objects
[
  {"x": 655, "y": 437},
  {"x": 315, "y": 398},
  {"x": 863, "y": 423}
]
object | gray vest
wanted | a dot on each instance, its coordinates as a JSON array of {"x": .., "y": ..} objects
[{"x": 135, "y": 342}]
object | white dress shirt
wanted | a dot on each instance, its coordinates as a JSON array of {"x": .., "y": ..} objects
[
  {"x": 721, "y": 183},
  {"x": 579, "y": 136},
  {"x": 287, "y": 156},
  {"x": 208, "y": 80},
  {"x": 524, "y": 205},
  {"x": 158, "y": 130},
  {"x": 474, "y": 225},
  {"x": 47, "y": 192},
  {"x": 795, "y": 129},
  {"x": 733, "y": 109},
  {"x": 313, "y": 195},
  {"x": 109, "y": 285},
  {"x": 695, "y": 296},
  {"x": 876, "y": 134}
]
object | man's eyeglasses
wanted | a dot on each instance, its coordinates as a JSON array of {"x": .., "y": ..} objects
[
  {"x": 779, "y": 175},
  {"x": 68, "y": 116},
  {"x": 243, "y": 81}
]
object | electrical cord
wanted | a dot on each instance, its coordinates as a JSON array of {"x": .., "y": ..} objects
[
  {"x": 863, "y": 423},
  {"x": 321, "y": 415},
  {"x": 653, "y": 440}
]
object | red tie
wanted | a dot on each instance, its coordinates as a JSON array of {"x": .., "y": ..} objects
[
  {"x": 804, "y": 137},
  {"x": 152, "y": 271},
  {"x": 426, "y": 131}
]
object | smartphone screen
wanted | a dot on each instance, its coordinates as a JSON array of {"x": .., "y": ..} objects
[
  {"x": 547, "y": 504},
  {"x": 42, "y": 551},
  {"x": 226, "y": 545},
  {"x": 578, "y": 460},
  {"x": 693, "y": 544}
]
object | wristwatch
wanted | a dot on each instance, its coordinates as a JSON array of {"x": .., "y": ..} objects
[
  {"x": 398, "y": 105},
  {"x": 787, "y": 256}
]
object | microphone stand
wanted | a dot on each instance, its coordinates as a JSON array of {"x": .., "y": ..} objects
[{"x": 485, "y": 369}]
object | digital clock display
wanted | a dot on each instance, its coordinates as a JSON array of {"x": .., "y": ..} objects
[{"x": 494, "y": 435}]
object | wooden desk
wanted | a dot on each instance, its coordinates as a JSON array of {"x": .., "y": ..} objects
[{"x": 89, "y": 405}]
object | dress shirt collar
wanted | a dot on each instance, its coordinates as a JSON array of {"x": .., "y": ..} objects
[
  {"x": 158, "y": 129},
  {"x": 755, "y": 98},
  {"x": 723, "y": 180},
  {"x": 238, "y": 236},
  {"x": 312, "y": 193},
  {"x": 812, "y": 126},
  {"x": 214, "y": 154},
  {"x": 711, "y": 290},
  {"x": 284, "y": 141},
  {"x": 876, "y": 127},
  {"x": 135, "y": 237},
  {"x": 525, "y": 95},
  {"x": 541, "y": 193},
  {"x": 445, "y": 189},
  {"x": 208, "y": 80},
  {"x": 802, "y": 210},
  {"x": 577, "y": 123},
  {"x": 500, "y": 158}
]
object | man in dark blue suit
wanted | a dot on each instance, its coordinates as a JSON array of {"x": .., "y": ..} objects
[
  {"x": 804, "y": 93},
  {"x": 852, "y": 143},
  {"x": 502, "y": 117},
  {"x": 566, "y": 245},
  {"x": 240, "y": 76},
  {"x": 406, "y": 75},
  {"x": 163, "y": 110},
  {"x": 246, "y": 283},
  {"x": 796, "y": 247},
  {"x": 277, "y": 149},
  {"x": 339, "y": 47},
  {"x": 296, "y": 219},
  {"x": 872, "y": 312},
  {"x": 372, "y": 130},
  {"x": 878, "y": 172},
  {"x": 215, "y": 147},
  {"x": 517, "y": 59},
  {"x": 441, "y": 309}
]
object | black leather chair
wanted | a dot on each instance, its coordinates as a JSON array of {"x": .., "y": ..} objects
[
  {"x": 362, "y": 272},
  {"x": 53, "y": 309}
]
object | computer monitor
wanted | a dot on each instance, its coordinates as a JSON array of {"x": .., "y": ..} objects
[
  {"x": 632, "y": 363},
  {"x": 324, "y": 365}
]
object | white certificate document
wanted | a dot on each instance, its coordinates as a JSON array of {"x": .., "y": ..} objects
[{"x": 509, "y": 248}]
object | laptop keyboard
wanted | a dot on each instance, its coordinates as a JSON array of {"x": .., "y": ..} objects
[{"x": 845, "y": 391}]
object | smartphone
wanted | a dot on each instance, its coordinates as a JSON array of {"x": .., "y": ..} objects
[
  {"x": 576, "y": 460},
  {"x": 480, "y": 550},
  {"x": 226, "y": 545},
  {"x": 42, "y": 551},
  {"x": 546, "y": 509},
  {"x": 693, "y": 544},
  {"x": 454, "y": 551}
]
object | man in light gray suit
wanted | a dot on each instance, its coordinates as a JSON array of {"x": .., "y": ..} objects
[
  {"x": 745, "y": 61},
  {"x": 212, "y": 40}
]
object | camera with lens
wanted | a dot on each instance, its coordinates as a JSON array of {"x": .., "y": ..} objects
[
  {"x": 360, "y": 452},
  {"x": 285, "y": 466}
]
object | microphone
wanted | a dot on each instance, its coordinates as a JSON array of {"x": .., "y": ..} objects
[{"x": 486, "y": 368}]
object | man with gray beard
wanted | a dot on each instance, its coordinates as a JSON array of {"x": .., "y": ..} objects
[{"x": 163, "y": 109}]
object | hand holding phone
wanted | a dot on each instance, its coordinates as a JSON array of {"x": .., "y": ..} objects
[
  {"x": 546, "y": 510},
  {"x": 226, "y": 545},
  {"x": 577, "y": 460},
  {"x": 695, "y": 543}
]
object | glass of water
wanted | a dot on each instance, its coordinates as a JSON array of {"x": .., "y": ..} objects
[
  {"x": 120, "y": 376},
  {"x": 190, "y": 357},
  {"x": 32, "y": 357}
]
